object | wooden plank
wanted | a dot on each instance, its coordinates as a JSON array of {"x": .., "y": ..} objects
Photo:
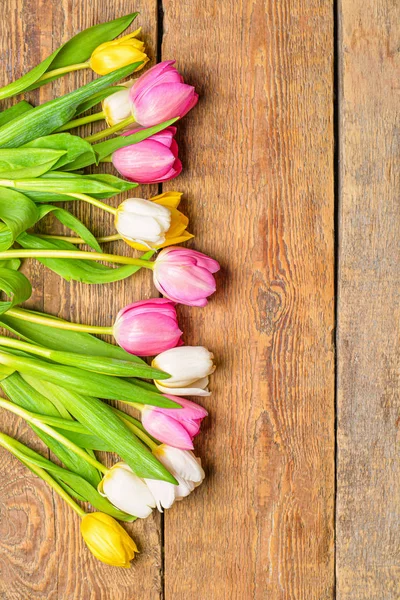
[
  {"x": 42, "y": 554},
  {"x": 368, "y": 502},
  {"x": 258, "y": 183}
]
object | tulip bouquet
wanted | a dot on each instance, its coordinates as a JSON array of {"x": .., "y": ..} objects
[{"x": 57, "y": 375}]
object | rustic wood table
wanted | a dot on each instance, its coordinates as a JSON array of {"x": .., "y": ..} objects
[{"x": 291, "y": 180}]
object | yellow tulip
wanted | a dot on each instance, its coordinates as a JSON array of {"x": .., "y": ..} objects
[
  {"x": 177, "y": 233},
  {"x": 119, "y": 53},
  {"x": 107, "y": 540}
]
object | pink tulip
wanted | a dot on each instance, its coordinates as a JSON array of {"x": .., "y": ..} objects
[
  {"x": 185, "y": 276},
  {"x": 151, "y": 161},
  {"x": 160, "y": 94},
  {"x": 174, "y": 426},
  {"x": 148, "y": 327}
]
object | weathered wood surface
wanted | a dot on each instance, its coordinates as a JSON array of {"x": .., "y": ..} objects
[
  {"x": 259, "y": 189},
  {"x": 258, "y": 183},
  {"x": 42, "y": 555},
  {"x": 368, "y": 500}
]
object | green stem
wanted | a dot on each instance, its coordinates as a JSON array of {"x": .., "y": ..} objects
[
  {"x": 78, "y": 255},
  {"x": 7, "y": 443},
  {"x": 78, "y": 240},
  {"x": 30, "y": 317},
  {"x": 110, "y": 130},
  {"x": 25, "y": 346},
  {"x": 140, "y": 434},
  {"x": 106, "y": 159},
  {"x": 63, "y": 71},
  {"x": 95, "y": 202},
  {"x": 82, "y": 121},
  {"x": 35, "y": 420}
]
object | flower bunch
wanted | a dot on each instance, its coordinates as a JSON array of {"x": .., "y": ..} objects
[{"x": 55, "y": 374}]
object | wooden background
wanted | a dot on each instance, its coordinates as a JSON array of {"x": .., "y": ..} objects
[{"x": 291, "y": 179}]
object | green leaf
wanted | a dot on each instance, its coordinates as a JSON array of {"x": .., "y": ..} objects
[
  {"x": 115, "y": 182},
  {"x": 23, "y": 163},
  {"x": 78, "y": 270},
  {"x": 15, "y": 111},
  {"x": 79, "y": 184},
  {"x": 77, "y": 433},
  {"x": 74, "y": 482},
  {"x": 48, "y": 117},
  {"x": 23, "y": 83},
  {"x": 86, "y": 382},
  {"x": 16, "y": 286},
  {"x": 96, "y": 364},
  {"x": 12, "y": 263},
  {"x": 17, "y": 211},
  {"x": 78, "y": 49},
  {"x": 72, "y": 145},
  {"x": 67, "y": 219},
  {"x": 100, "y": 419},
  {"x": 60, "y": 339},
  {"x": 24, "y": 395}
]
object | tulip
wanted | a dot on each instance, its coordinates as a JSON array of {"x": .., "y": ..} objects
[
  {"x": 160, "y": 94},
  {"x": 107, "y": 540},
  {"x": 118, "y": 53},
  {"x": 185, "y": 276},
  {"x": 148, "y": 327},
  {"x": 127, "y": 491},
  {"x": 153, "y": 223},
  {"x": 174, "y": 426},
  {"x": 117, "y": 107},
  {"x": 189, "y": 367},
  {"x": 151, "y": 161},
  {"x": 184, "y": 466}
]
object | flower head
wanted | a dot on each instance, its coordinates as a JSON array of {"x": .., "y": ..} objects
[
  {"x": 107, "y": 540},
  {"x": 189, "y": 367},
  {"x": 153, "y": 223},
  {"x": 184, "y": 466},
  {"x": 185, "y": 276},
  {"x": 117, "y": 106},
  {"x": 174, "y": 426},
  {"x": 160, "y": 94},
  {"x": 127, "y": 491},
  {"x": 148, "y": 327},
  {"x": 118, "y": 53},
  {"x": 152, "y": 160}
]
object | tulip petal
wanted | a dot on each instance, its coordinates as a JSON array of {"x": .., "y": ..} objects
[{"x": 166, "y": 429}]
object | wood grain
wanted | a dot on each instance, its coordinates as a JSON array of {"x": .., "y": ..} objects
[
  {"x": 258, "y": 183},
  {"x": 368, "y": 502},
  {"x": 42, "y": 555}
]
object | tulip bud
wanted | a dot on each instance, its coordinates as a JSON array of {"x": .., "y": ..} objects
[
  {"x": 174, "y": 426},
  {"x": 119, "y": 53},
  {"x": 127, "y": 491},
  {"x": 160, "y": 95},
  {"x": 117, "y": 106},
  {"x": 185, "y": 276},
  {"x": 148, "y": 327},
  {"x": 153, "y": 160},
  {"x": 189, "y": 367},
  {"x": 153, "y": 223},
  {"x": 143, "y": 222},
  {"x": 184, "y": 466},
  {"x": 107, "y": 540}
]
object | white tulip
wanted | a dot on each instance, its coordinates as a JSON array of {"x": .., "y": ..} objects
[
  {"x": 184, "y": 466},
  {"x": 143, "y": 221},
  {"x": 189, "y": 367},
  {"x": 127, "y": 491},
  {"x": 117, "y": 107}
]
